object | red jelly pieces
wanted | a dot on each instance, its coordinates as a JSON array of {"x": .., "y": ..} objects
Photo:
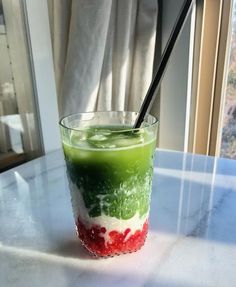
[{"x": 93, "y": 239}]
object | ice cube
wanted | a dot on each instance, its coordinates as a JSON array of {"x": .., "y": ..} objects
[
  {"x": 110, "y": 145},
  {"x": 98, "y": 137},
  {"x": 76, "y": 137},
  {"x": 125, "y": 142},
  {"x": 140, "y": 131},
  {"x": 104, "y": 132},
  {"x": 105, "y": 145}
]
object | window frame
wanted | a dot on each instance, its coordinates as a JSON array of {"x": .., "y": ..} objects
[{"x": 211, "y": 34}]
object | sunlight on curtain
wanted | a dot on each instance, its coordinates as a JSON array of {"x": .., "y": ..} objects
[{"x": 103, "y": 53}]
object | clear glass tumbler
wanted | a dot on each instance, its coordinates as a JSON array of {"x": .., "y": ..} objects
[{"x": 109, "y": 168}]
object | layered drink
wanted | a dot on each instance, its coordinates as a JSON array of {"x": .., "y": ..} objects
[{"x": 109, "y": 170}]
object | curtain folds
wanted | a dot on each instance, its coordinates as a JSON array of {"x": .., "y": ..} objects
[{"x": 103, "y": 52}]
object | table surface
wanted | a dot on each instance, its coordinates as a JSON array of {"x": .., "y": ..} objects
[{"x": 191, "y": 242}]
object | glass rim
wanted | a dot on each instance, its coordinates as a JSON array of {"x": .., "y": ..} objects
[{"x": 155, "y": 120}]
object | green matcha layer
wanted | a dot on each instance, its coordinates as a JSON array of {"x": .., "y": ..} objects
[{"x": 112, "y": 170}]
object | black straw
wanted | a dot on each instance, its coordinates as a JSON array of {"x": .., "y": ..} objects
[{"x": 155, "y": 84}]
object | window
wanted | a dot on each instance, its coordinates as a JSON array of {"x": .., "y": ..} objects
[
  {"x": 213, "y": 22},
  {"x": 19, "y": 130},
  {"x": 228, "y": 141}
]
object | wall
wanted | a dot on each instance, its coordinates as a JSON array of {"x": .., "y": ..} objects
[
  {"x": 175, "y": 82},
  {"x": 36, "y": 13}
]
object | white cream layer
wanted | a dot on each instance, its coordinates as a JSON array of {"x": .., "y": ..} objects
[{"x": 110, "y": 223}]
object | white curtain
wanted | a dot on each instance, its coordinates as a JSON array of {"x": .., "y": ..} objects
[{"x": 103, "y": 52}]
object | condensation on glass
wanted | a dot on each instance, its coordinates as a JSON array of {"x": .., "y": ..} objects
[{"x": 19, "y": 131}]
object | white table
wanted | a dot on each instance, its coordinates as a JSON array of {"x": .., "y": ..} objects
[{"x": 192, "y": 238}]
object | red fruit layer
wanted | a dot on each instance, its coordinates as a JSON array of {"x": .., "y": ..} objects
[{"x": 93, "y": 239}]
